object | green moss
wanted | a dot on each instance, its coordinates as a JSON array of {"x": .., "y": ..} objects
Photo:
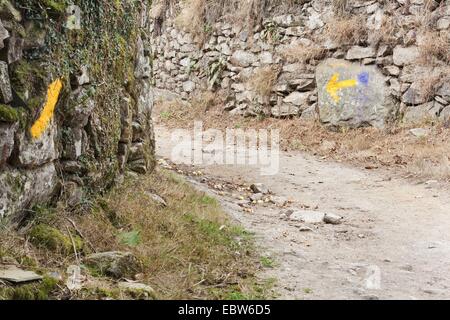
[
  {"x": 8, "y": 114},
  {"x": 51, "y": 238},
  {"x": 56, "y": 5},
  {"x": 16, "y": 182},
  {"x": 101, "y": 293},
  {"x": 35, "y": 291},
  {"x": 29, "y": 80},
  {"x": 106, "y": 45},
  {"x": 9, "y": 11}
]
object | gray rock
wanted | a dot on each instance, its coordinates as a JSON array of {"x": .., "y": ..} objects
[
  {"x": 414, "y": 95},
  {"x": 4, "y": 34},
  {"x": 82, "y": 77},
  {"x": 404, "y": 56},
  {"x": 297, "y": 98},
  {"x": 5, "y": 86},
  {"x": 256, "y": 197},
  {"x": 307, "y": 216},
  {"x": 16, "y": 275},
  {"x": 392, "y": 70},
  {"x": 330, "y": 218},
  {"x": 7, "y": 132},
  {"x": 441, "y": 100},
  {"x": 79, "y": 107},
  {"x": 293, "y": 31},
  {"x": 444, "y": 116},
  {"x": 15, "y": 48},
  {"x": 413, "y": 72},
  {"x": 34, "y": 152},
  {"x": 362, "y": 99},
  {"x": 266, "y": 57},
  {"x": 314, "y": 20},
  {"x": 303, "y": 84},
  {"x": 71, "y": 166},
  {"x": 417, "y": 114},
  {"x": 188, "y": 86},
  {"x": 21, "y": 189},
  {"x": 443, "y": 23},
  {"x": 243, "y": 58},
  {"x": 142, "y": 67},
  {"x": 357, "y": 52},
  {"x": 72, "y": 193},
  {"x": 139, "y": 166},
  {"x": 126, "y": 119},
  {"x": 259, "y": 188},
  {"x": 74, "y": 143},
  {"x": 444, "y": 91},
  {"x": 285, "y": 110},
  {"x": 419, "y": 132},
  {"x": 225, "y": 49},
  {"x": 116, "y": 264},
  {"x": 285, "y": 20},
  {"x": 278, "y": 201},
  {"x": 156, "y": 198},
  {"x": 136, "y": 151},
  {"x": 310, "y": 113},
  {"x": 138, "y": 290}
]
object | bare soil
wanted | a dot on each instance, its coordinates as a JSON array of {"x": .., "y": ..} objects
[{"x": 395, "y": 229}]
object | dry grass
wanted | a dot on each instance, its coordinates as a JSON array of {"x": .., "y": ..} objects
[
  {"x": 387, "y": 33},
  {"x": 303, "y": 54},
  {"x": 434, "y": 48},
  {"x": 192, "y": 18},
  {"x": 431, "y": 167},
  {"x": 347, "y": 30},
  {"x": 339, "y": 7},
  {"x": 264, "y": 79},
  {"x": 188, "y": 250},
  {"x": 178, "y": 112},
  {"x": 429, "y": 85}
]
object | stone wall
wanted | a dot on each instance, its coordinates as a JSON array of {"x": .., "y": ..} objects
[
  {"x": 76, "y": 101},
  {"x": 383, "y": 67}
]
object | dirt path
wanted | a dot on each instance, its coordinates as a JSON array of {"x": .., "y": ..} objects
[{"x": 395, "y": 234}]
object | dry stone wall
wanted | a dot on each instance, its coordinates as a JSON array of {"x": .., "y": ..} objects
[
  {"x": 75, "y": 100},
  {"x": 378, "y": 75}
]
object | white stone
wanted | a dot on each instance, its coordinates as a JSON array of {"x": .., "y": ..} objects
[
  {"x": 297, "y": 98},
  {"x": 404, "y": 56}
]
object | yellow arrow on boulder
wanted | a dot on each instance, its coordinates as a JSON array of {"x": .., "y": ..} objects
[{"x": 334, "y": 85}]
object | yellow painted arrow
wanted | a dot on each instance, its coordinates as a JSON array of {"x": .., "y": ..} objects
[
  {"x": 334, "y": 85},
  {"x": 46, "y": 115}
]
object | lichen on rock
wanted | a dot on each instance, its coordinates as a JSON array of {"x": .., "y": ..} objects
[{"x": 67, "y": 89}]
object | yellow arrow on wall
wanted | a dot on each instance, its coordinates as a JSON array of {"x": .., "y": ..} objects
[
  {"x": 41, "y": 124},
  {"x": 334, "y": 85}
]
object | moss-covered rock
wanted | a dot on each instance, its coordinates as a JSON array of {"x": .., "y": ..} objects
[
  {"x": 34, "y": 291},
  {"x": 51, "y": 238},
  {"x": 8, "y": 114},
  {"x": 115, "y": 264},
  {"x": 56, "y": 5},
  {"x": 87, "y": 128}
]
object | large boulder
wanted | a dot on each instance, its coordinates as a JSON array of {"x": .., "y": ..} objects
[
  {"x": 243, "y": 58},
  {"x": 25, "y": 188},
  {"x": 7, "y": 131},
  {"x": 35, "y": 152},
  {"x": 405, "y": 55},
  {"x": 352, "y": 95},
  {"x": 116, "y": 264}
]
